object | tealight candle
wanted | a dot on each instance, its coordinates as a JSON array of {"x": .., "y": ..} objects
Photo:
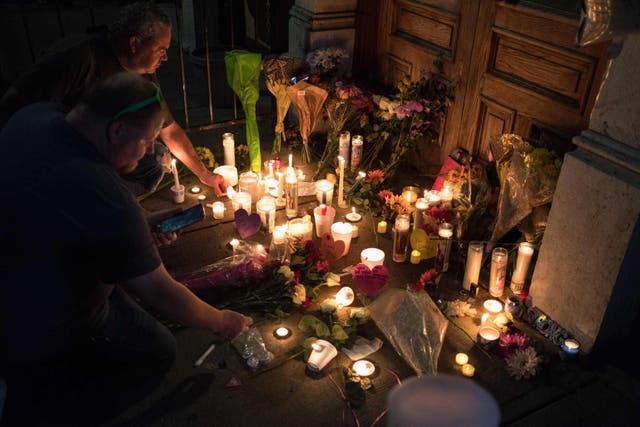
[
  {"x": 468, "y": 370},
  {"x": 571, "y": 346},
  {"x": 282, "y": 333},
  {"x": 195, "y": 190},
  {"x": 363, "y": 368},
  {"x": 462, "y": 358},
  {"x": 353, "y": 216},
  {"x": 488, "y": 335},
  {"x": 493, "y": 306},
  {"x": 345, "y": 297},
  {"x": 218, "y": 210},
  {"x": 372, "y": 257},
  {"x": 415, "y": 256},
  {"x": 382, "y": 227}
]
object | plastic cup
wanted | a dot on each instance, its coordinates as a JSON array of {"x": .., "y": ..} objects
[
  {"x": 178, "y": 193},
  {"x": 323, "y": 222}
]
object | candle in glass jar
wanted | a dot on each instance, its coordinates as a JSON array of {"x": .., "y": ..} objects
[
  {"x": 488, "y": 335},
  {"x": 493, "y": 306},
  {"x": 446, "y": 195},
  {"x": 266, "y": 208},
  {"x": 248, "y": 182},
  {"x": 218, "y": 210},
  {"x": 474, "y": 261},
  {"x": 241, "y": 200},
  {"x": 498, "y": 272},
  {"x": 291, "y": 194},
  {"x": 341, "y": 202},
  {"x": 342, "y": 231},
  {"x": 300, "y": 230},
  {"x": 344, "y": 143},
  {"x": 400, "y": 238},
  {"x": 571, "y": 346},
  {"x": 280, "y": 189},
  {"x": 445, "y": 231},
  {"x": 356, "y": 151},
  {"x": 525, "y": 253},
  {"x": 324, "y": 192},
  {"x": 382, "y": 227},
  {"x": 228, "y": 144},
  {"x": 415, "y": 257},
  {"x": 410, "y": 194},
  {"x": 433, "y": 197},
  {"x": 372, "y": 257},
  {"x": 421, "y": 207}
]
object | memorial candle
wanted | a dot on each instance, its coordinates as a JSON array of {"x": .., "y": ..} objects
[
  {"x": 241, "y": 200},
  {"x": 421, "y": 207},
  {"x": 356, "y": 151},
  {"x": 462, "y": 358},
  {"x": 525, "y": 253},
  {"x": 341, "y": 201},
  {"x": 474, "y": 261},
  {"x": 291, "y": 194},
  {"x": 342, "y": 231},
  {"x": 228, "y": 144},
  {"x": 280, "y": 189},
  {"x": 324, "y": 192},
  {"x": 498, "y": 272},
  {"x": 248, "y": 182},
  {"x": 468, "y": 370},
  {"x": 445, "y": 231},
  {"x": 266, "y": 208},
  {"x": 363, "y": 368},
  {"x": 400, "y": 238},
  {"x": 322, "y": 352},
  {"x": 345, "y": 142},
  {"x": 382, "y": 227}
]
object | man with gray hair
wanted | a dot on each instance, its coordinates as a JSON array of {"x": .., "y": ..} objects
[
  {"x": 137, "y": 42},
  {"x": 77, "y": 241}
]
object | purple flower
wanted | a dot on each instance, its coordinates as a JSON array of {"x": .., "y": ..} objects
[
  {"x": 414, "y": 106},
  {"x": 402, "y": 111}
]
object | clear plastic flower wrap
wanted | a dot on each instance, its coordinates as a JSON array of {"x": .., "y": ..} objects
[
  {"x": 251, "y": 347},
  {"x": 413, "y": 324}
]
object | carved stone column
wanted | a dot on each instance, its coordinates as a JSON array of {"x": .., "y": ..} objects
[
  {"x": 316, "y": 24},
  {"x": 587, "y": 276}
]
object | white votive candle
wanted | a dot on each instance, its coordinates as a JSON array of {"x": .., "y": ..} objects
[
  {"x": 342, "y": 231},
  {"x": 364, "y": 368},
  {"x": 493, "y": 306},
  {"x": 218, "y": 210},
  {"x": 345, "y": 297},
  {"x": 474, "y": 262},
  {"x": 571, "y": 346},
  {"x": 228, "y": 144},
  {"x": 229, "y": 173},
  {"x": 488, "y": 335},
  {"x": 525, "y": 253},
  {"x": 372, "y": 257},
  {"x": 282, "y": 332},
  {"x": 241, "y": 200}
]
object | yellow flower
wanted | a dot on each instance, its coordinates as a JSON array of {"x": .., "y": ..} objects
[
  {"x": 286, "y": 272},
  {"x": 299, "y": 294}
]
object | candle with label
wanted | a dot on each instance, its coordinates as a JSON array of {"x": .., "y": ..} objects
[
  {"x": 525, "y": 253},
  {"x": 498, "y": 272},
  {"x": 422, "y": 205},
  {"x": 344, "y": 143},
  {"x": 341, "y": 202},
  {"x": 474, "y": 262},
  {"x": 342, "y": 231},
  {"x": 291, "y": 194},
  {"x": 324, "y": 192}
]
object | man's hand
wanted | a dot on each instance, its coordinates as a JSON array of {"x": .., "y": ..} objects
[
  {"x": 232, "y": 324},
  {"x": 162, "y": 239},
  {"x": 216, "y": 182}
]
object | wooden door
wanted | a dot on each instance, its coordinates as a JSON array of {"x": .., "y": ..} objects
[{"x": 516, "y": 69}]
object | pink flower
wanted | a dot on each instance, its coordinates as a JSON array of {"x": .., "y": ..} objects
[
  {"x": 322, "y": 266},
  {"x": 509, "y": 343},
  {"x": 375, "y": 177},
  {"x": 414, "y": 106},
  {"x": 384, "y": 194},
  {"x": 402, "y": 111}
]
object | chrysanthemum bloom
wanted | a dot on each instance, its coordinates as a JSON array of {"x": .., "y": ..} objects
[
  {"x": 509, "y": 343},
  {"x": 375, "y": 177},
  {"x": 523, "y": 363}
]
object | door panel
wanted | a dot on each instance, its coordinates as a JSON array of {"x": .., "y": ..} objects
[{"x": 516, "y": 68}]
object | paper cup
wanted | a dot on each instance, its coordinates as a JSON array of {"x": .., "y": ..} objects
[
  {"x": 178, "y": 193},
  {"x": 323, "y": 222}
]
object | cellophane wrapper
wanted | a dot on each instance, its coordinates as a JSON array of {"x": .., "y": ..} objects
[{"x": 413, "y": 324}]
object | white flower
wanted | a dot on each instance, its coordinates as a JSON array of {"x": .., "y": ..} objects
[
  {"x": 359, "y": 314},
  {"x": 523, "y": 363},
  {"x": 329, "y": 305},
  {"x": 299, "y": 294},
  {"x": 457, "y": 308},
  {"x": 332, "y": 279}
]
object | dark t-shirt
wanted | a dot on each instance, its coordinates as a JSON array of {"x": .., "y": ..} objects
[
  {"x": 68, "y": 227},
  {"x": 64, "y": 75}
]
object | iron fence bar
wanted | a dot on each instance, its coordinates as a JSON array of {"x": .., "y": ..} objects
[
  {"x": 59, "y": 16},
  {"x": 208, "y": 60},
  {"x": 182, "y": 75},
  {"x": 27, "y": 31},
  {"x": 92, "y": 15},
  {"x": 233, "y": 44}
]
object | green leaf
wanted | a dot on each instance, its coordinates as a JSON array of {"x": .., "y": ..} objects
[
  {"x": 338, "y": 333},
  {"x": 311, "y": 323}
]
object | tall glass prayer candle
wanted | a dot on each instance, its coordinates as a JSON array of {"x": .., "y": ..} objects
[
  {"x": 344, "y": 143},
  {"x": 341, "y": 202},
  {"x": 474, "y": 261},
  {"x": 278, "y": 250},
  {"x": 248, "y": 182},
  {"x": 291, "y": 194},
  {"x": 421, "y": 208},
  {"x": 498, "y": 272},
  {"x": 445, "y": 231},
  {"x": 241, "y": 200},
  {"x": 324, "y": 192},
  {"x": 357, "y": 145},
  {"x": 266, "y": 208},
  {"x": 401, "y": 238},
  {"x": 280, "y": 199},
  {"x": 525, "y": 253},
  {"x": 228, "y": 144}
]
